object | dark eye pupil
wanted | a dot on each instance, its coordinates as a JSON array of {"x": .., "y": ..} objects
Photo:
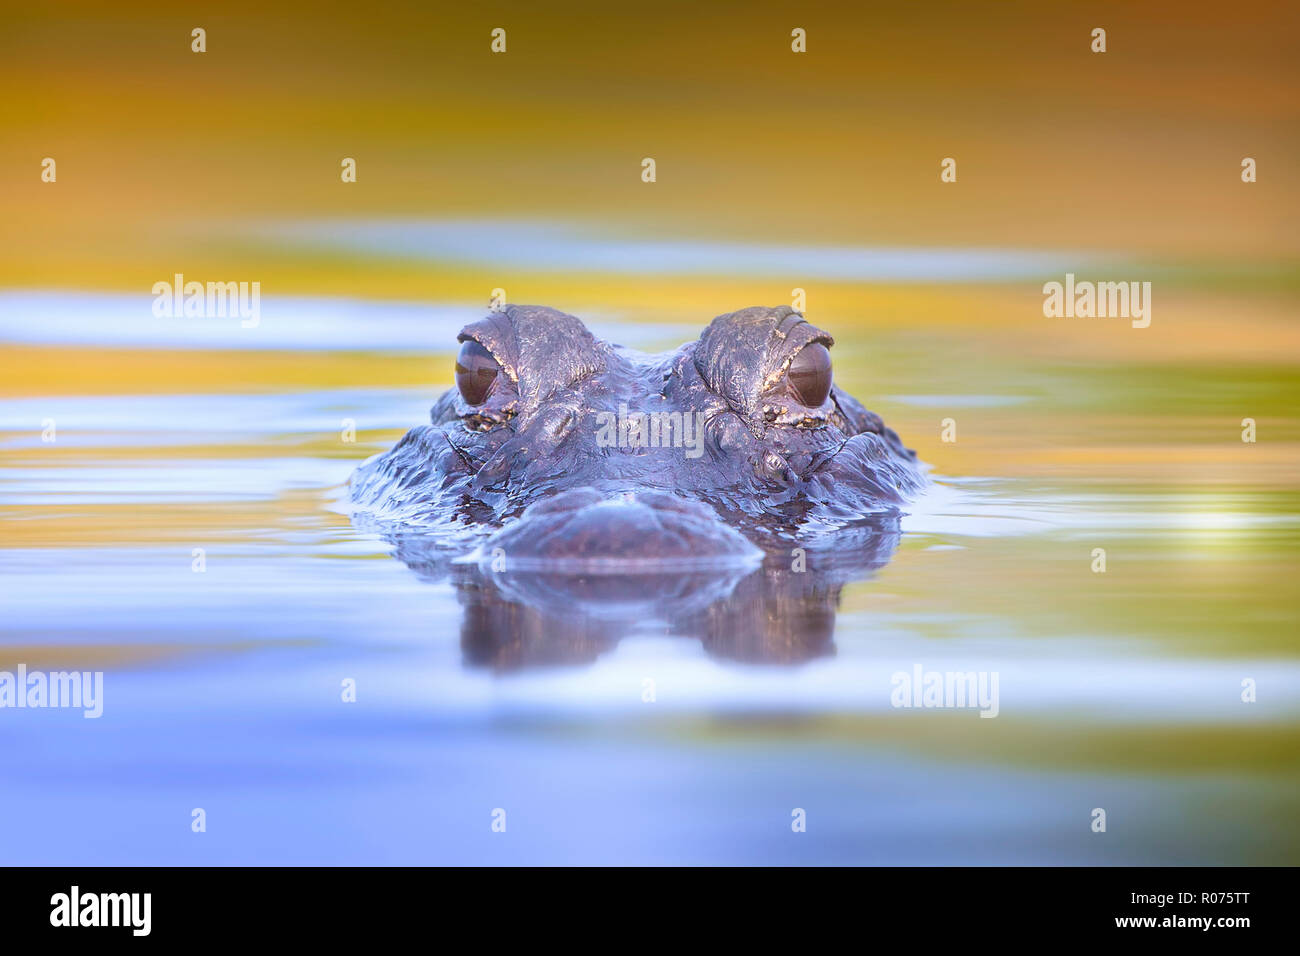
[
  {"x": 476, "y": 372},
  {"x": 810, "y": 375}
]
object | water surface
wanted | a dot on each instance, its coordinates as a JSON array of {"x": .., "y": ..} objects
[{"x": 1118, "y": 690}]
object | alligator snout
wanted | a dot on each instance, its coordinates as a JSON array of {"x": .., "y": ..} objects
[{"x": 586, "y": 531}]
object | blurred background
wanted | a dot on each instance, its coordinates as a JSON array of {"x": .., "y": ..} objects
[{"x": 775, "y": 171}]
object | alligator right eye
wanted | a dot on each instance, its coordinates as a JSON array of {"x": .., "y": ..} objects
[
  {"x": 476, "y": 372},
  {"x": 810, "y": 375}
]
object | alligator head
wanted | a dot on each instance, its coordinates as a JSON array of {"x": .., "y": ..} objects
[{"x": 577, "y": 455}]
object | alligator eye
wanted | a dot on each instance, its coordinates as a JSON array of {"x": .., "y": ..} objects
[
  {"x": 810, "y": 375},
  {"x": 476, "y": 372}
]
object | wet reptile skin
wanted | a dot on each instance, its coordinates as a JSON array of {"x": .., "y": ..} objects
[{"x": 768, "y": 470}]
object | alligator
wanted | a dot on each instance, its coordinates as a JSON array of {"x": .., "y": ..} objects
[
  {"x": 600, "y": 480},
  {"x": 581, "y": 454}
]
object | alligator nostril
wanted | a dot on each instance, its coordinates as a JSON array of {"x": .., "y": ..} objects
[
  {"x": 561, "y": 426},
  {"x": 773, "y": 465}
]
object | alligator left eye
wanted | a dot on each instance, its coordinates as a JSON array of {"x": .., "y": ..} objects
[
  {"x": 476, "y": 372},
  {"x": 810, "y": 375}
]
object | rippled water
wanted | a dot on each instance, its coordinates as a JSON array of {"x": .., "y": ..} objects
[{"x": 1119, "y": 690}]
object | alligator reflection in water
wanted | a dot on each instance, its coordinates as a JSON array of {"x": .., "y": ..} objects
[{"x": 772, "y": 614}]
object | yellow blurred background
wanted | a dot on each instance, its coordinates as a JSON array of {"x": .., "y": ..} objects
[
  {"x": 174, "y": 161},
  {"x": 164, "y": 153}
]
